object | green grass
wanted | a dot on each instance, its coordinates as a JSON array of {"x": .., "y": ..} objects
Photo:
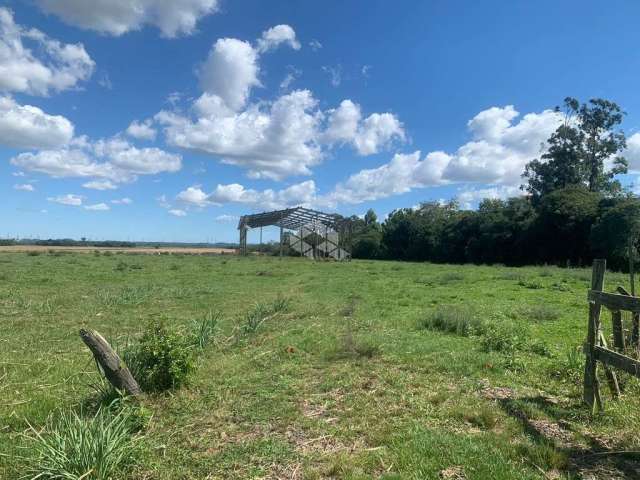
[{"x": 312, "y": 370}]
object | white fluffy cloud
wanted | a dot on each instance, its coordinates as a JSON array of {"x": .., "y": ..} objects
[
  {"x": 632, "y": 154},
  {"x": 303, "y": 193},
  {"x": 141, "y": 130},
  {"x": 230, "y": 72},
  {"x": 114, "y": 159},
  {"x": 122, "y": 201},
  {"x": 368, "y": 136},
  {"x": 98, "y": 207},
  {"x": 33, "y": 63},
  {"x": 116, "y": 17},
  {"x": 176, "y": 212},
  {"x": 275, "y": 36},
  {"x": 270, "y": 139},
  {"x": 25, "y": 187},
  {"x": 496, "y": 155},
  {"x": 193, "y": 196},
  {"x": 68, "y": 199},
  {"x": 28, "y": 127}
]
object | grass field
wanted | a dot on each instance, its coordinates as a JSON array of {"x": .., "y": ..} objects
[{"x": 376, "y": 370}]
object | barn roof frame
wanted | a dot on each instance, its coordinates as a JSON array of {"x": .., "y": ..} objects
[{"x": 290, "y": 218}]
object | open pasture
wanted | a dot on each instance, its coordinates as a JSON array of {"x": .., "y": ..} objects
[{"x": 373, "y": 370}]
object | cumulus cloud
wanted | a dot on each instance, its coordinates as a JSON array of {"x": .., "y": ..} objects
[
  {"x": 632, "y": 153},
  {"x": 33, "y": 63},
  {"x": 193, "y": 196},
  {"x": 116, "y": 17},
  {"x": 114, "y": 159},
  {"x": 25, "y": 187},
  {"x": 176, "y": 212},
  {"x": 141, "y": 130},
  {"x": 68, "y": 199},
  {"x": 100, "y": 185},
  {"x": 270, "y": 140},
  {"x": 230, "y": 71},
  {"x": 98, "y": 207},
  {"x": 496, "y": 155},
  {"x": 275, "y": 36},
  {"x": 303, "y": 193},
  {"x": 28, "y": 127},
  {"x": 368, "y": 136},
  {"x": 122, "y": 201}
]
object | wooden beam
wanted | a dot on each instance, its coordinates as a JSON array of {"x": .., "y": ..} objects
[
  {"x": 617, "y": 360},
  {"x": 614, "y": 301}
]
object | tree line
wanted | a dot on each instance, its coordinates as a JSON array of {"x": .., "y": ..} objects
[{"x": 573, "y": 208}]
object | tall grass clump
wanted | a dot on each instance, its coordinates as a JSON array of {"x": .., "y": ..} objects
[
  {"x": 261, "y": 312},
  {"x": 452, "y": 319},
  {"x": 71, "y": 446},
  {"x": 543, "y": 313},
  {"x": 203, "y": 329}
]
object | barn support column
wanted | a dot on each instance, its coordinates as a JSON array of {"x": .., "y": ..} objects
[
  {"x": 243, "y": 240},
  {"x": 281, "y": 239}
]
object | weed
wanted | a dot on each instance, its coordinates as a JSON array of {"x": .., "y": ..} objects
[
  {"x": 532, "y": 284},
  {"x": 72, "y": 447},
  {"x": 540, "y": 347},
  {"x": 203, "y": 329},
  {"x": 543, "y": 313},
  {"x": 453, "y": 319},
  {"x": 261, "y": 312},
  {"x": 33, "y": 253},
  {"x": 450, "y": 277},
  {"x": 121, "y": 266},
  {"x": 482, "y": 416}
]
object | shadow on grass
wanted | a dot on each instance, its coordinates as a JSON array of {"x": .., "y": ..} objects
[{"x": 589, "y": 457}]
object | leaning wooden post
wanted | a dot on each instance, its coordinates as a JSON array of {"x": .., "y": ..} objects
[
  {"x": 114, "y": 369},
  {"x": 591, "y": 389}
]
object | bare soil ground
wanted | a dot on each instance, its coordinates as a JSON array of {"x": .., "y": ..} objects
[{"x": 144, "y": 250}]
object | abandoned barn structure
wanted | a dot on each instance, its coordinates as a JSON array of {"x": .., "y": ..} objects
[{"x": 311, "y": 233}]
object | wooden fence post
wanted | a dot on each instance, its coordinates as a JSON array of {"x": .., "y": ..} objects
[
  {"x": 113, "y": 368},
  {"x": 591, "y": 394}
]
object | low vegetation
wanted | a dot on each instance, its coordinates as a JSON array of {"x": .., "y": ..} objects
[{"x": 317, "y": 370}]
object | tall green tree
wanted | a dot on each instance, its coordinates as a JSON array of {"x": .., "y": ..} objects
[{"x": 579, "y": 150}]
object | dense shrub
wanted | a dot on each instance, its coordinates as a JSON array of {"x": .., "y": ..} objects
[{"x": 162, "y": 359}]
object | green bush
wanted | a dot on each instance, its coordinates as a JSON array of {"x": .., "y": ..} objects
[
  {"x": 452, "y": 319},
  {"x": 70, "y": 446},
  {"x": 543, "y": 313},
  {"x": 162, "y": 359},
  {"x": 501, "y": 338}
]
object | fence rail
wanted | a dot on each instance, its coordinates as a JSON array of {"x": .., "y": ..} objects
[{"x": 596, "y": 349}]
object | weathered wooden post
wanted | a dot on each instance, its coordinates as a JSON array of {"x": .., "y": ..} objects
[
  {"x": 591, "y": 393},
  {"x": 114, "y": 369}
]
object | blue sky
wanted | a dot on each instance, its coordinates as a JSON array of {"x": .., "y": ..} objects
[{"x": 136, "y": 120}]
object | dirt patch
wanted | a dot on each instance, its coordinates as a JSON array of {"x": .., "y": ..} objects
[{"x": 452, "y": 473}]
